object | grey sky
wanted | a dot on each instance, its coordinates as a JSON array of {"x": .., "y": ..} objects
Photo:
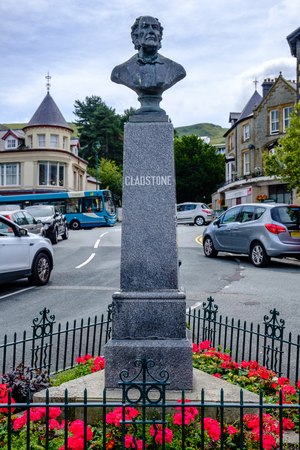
[{"x": 223, "y": 45}]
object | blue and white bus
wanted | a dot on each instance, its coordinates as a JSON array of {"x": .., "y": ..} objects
[{"x": 83, "y": 209}]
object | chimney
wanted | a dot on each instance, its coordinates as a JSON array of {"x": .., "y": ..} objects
[{"x": 266, "y": 86}]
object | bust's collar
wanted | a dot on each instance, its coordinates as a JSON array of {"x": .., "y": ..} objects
[{"x": 157, "y": 59}]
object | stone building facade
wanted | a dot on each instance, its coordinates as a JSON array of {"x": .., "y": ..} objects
[
  {"x": 254, "y": 131},
  {"x": 43, "y": 156}
]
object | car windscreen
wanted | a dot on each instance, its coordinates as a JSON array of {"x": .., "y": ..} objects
[
  {"x": 43, "y": 211},
  {"x": 288, "y": 215}
]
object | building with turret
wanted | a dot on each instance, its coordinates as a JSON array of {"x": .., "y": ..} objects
[{"x": 43, "y": 156}]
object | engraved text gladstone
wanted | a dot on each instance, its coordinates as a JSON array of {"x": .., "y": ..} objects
[{"x": 148, "y": 180}]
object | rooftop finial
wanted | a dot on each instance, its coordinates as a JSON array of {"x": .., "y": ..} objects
[
  {"x": 48, "y": 85},
  {"x": 255, "y": 82}
]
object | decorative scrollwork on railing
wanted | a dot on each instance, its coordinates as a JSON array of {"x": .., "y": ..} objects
[
  {"x": 274, "y": 329},
  {"x": 44, "y": 327},
  {"x": 210, "y": 311},
  {"x": 144, "y": 384}
]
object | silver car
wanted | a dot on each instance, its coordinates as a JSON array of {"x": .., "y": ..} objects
[
  {"x": 258, "y": 230},
  {"x": 25, "y": 220},
  {"x": 194, "y": 213}
]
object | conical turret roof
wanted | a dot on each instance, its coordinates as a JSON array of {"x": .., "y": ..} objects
[{"x": 48, "y": 114}]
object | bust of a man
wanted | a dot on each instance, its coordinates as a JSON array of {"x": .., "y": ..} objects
[{"x": 148, "y": 73}]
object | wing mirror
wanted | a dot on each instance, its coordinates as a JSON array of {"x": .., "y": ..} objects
[
  {"x": 23, "y": 231},
  {"x": 217, "y": 222}
]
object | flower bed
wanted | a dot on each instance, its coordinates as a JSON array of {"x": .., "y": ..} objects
[{"x": 185, "y": 424}]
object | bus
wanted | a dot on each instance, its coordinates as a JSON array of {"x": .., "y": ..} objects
[{"x": 84, "y": 209}]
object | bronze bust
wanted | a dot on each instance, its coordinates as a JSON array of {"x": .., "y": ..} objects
[{"x": 148, "y": 73}]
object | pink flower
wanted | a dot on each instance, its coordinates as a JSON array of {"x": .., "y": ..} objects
[
  {"x": 231, "y": 430},
  {"x": 195, "y": 348},
  {"x": 54, "y": 412},
  {"x": 287, "y": 424},
  {"x": 130, "y": 443},
  {"x": 204, "y": 345},
  {"x": 217, "y": 375},
  {"x": 282, "y": 381},
  {"x": 77, "y": 429},
  {"x": 159, "y": 435},
  {"x": 53, "y": 424},
  {"x": 19, "y": 422}
]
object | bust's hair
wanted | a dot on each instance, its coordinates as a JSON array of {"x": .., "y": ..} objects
[{"x": 134, "y": 32}]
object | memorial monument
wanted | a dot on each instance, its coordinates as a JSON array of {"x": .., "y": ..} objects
[{"x": 149, "y": 312}]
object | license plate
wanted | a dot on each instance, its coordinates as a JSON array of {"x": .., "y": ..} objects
[{"x": 295, "y": 234}]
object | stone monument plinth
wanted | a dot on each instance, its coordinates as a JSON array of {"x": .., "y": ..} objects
[{"x": 149, "y": 312}]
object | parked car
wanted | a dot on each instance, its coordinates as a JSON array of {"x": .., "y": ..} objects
[
  {"x": 24, "y": 254},
  {"x": 54, "y": 222},
  {"x": 258, "y": 230},
  {"x": 194, "y": 213},
  {"x": 25, "y": 220}
]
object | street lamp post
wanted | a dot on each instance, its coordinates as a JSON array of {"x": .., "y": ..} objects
[{"x": 97, "y": 144}]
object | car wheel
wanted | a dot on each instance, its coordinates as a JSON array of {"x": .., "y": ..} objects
[
  {"x": 75, "y": 225},
  {"x": 40, "y": 271},
  {"x": 54, "y": 237},
  {"x": 199, "y": 221},
  {"x": 66, "y": 233},
  {"x": 259, "y": 256},
  {"x": 209, "y": 249}
]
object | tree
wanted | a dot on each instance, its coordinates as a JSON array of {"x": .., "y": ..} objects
[
  {"x": 109, "y": 174},
  {"x": 285, "y": 162},
  {"x": 199, "y": 169},
  {"x": 98, "y": 122},
  {"x": 127, "y": 113}
]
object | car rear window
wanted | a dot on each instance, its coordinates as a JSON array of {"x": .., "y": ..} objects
[{"x": 286, "y": 214}]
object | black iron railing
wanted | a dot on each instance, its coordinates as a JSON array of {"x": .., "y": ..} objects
[
  {"x": 266, "y": 344},
  {"x": 55, "y": 348},
  {"x": 143, "y": 423}
]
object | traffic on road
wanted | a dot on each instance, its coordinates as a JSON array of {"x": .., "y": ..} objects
[{"x": 86, "y": 274}]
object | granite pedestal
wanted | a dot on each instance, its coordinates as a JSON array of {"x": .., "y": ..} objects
[{"x": 149, "y": 312}]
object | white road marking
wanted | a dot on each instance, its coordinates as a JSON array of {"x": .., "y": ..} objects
[
  {"x": 104, "y": 234},
  {"x": 194, "y": 307},
  {"x": 87, "y": 261},
  {"x": 17, "y": 292},
  {"x": 97, "y": 243}
]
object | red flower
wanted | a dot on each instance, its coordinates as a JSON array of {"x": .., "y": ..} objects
[
  {"x": 204, "y": 345},
  {"x": 217, "y": 375},
  {"x": 159, "y": 435},
  {"x": 195, "y": 348}
]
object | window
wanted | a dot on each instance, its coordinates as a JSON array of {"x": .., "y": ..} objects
[
  {"x": 10, "y": 174},
  {"x": 246, "y": 163},
  {"x": 41, "y": 140},
  {"x": 231, "y": 215},
  {"x": 246, "y": 214},
  {"x": 11, "y": 143},
  {"x": 73, "y": 205},
  {"x": 259, "y": 210},
  {"x": 246, "y": 132},
  {"x": 64, "y": 143},
  {"x": 51, "y": 174},
  {"x": 274, "y": 121},
  {"x": 53, "y": 140},
  {"x": 286, "y": 117},
  {"x": 30, "y": 141},
  {"x": 279, "y": 193}
]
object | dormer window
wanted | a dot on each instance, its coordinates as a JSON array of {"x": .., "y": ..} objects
[{"x": 11, "y": 143}]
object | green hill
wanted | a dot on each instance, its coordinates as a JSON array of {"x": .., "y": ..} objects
[
  {"x": 214, "y": 132},
  {"x": 19, "y": 126}
]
